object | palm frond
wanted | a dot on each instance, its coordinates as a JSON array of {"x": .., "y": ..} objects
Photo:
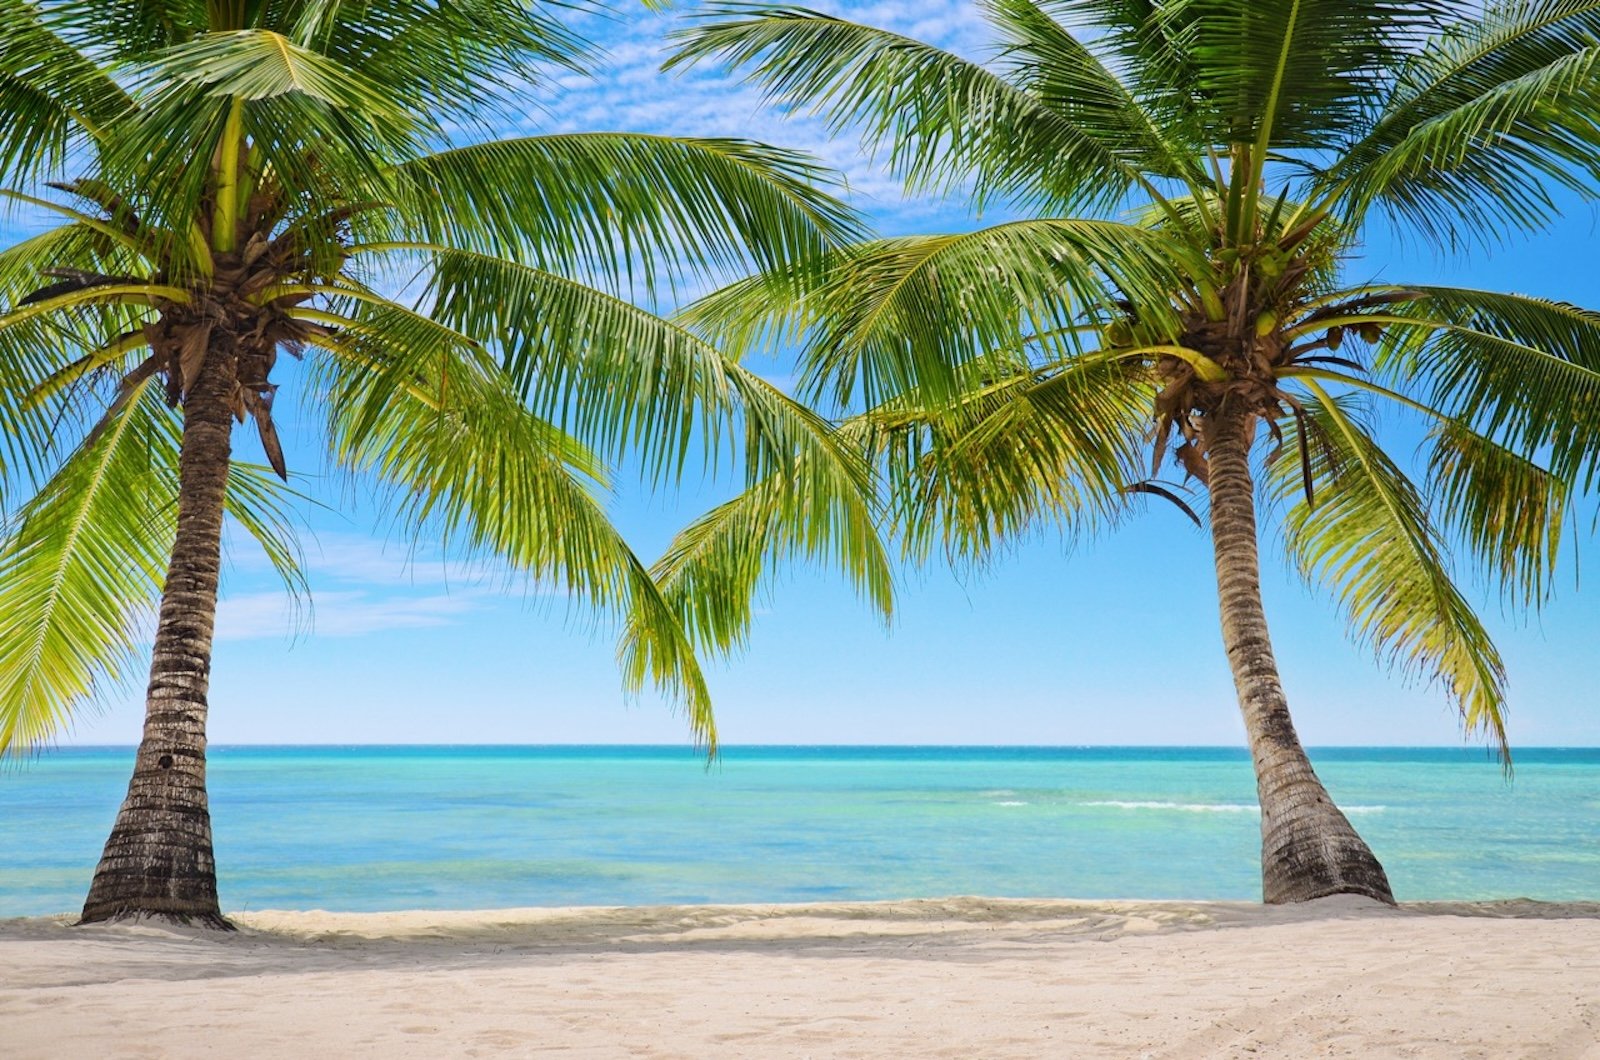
[
  {"x": 123, "y": 31},
  {"x": 79, "y": 570},
  {"x": 1507, "y": 508},
  {"x": 622, "y": 380},
  {"x": 316, "y": 127},
  {"x": 716, "y": 568},
  {"x": 900, "y": 315},
  {"x": 615, "y": 207},
  {"x": 258, "y": 64},
  {"x": 455, "y": 60},
  {"x": 42, "y": 403},
  {"x": 1254, "y": 71},
  {"x": 943, "y": 120},
  {"x": 1483, "y": 121},
  {"x": 53, "y": 97},
  {"x": 1152, "y": 50},
  {"x": 1369, "y": 540},
  {"x": 1035, "y": 449},
  {"x": 27, "y": 265},
  {"x": 259, "y": 502},
  {"x": 1045, "y": 59},
  {"x": 1522, "y": 370},
  {"x": 494, "y": 479}
]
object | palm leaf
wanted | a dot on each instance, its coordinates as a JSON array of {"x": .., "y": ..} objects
[
  {"x": 1522, "y": 370},
  {"x": 1255, "y": 75},
  {"x": 1507, "y": 508},
  {"x": 494, "y": 479},
  {"x": 52, "y": 96},
  {"x": 943, "y": 120},
  {"x": 1482, "y": 121},
  {"x": 620, "y": 379},
  {"x": 902, "y": 315},
  {"x": 461, "y": 58},
  {"x": 260, "y": 503},
  {"x": 1036, "y": 449},
  {"x": 613, "y": 206},
  {"x": 82, "y": 565},
  {"x": 1044, "y": 58},
  {"x": 716, "y": 568},
  {"x": 259, "y": 64},
  {"x": 1369, "y": 541},
  {"x": 79, "y": 573}
]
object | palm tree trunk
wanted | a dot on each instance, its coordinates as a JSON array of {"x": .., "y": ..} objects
[
  {"x": 158, "y": 860},
  {"x": 1308, "y": 847}
]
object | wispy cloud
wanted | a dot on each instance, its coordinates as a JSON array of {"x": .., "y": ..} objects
[
  {"x": 354, "y": 558},
  {"x": 350, "y": 613},
  {"x": 358, "y": 586},
  {"x": 633, "y": 94}
]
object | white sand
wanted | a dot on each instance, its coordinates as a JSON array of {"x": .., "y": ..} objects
[{"x": 958, "y": 978}]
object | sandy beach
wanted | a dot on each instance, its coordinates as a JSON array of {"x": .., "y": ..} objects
[{"x": 962, "y": 977}]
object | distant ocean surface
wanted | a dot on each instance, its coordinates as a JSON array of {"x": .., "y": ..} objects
[{"x": 379, "y": 828}]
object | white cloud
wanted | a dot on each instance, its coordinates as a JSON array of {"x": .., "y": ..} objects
[
  {"x": 351, "y": 557},
  {"x": 350, "y": 613},
  {"x": 354, "y": 558},
  {"x": 632, "y": 94},
  {"x": 359, "y": 585}
]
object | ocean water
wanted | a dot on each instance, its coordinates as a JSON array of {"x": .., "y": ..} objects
[{"x": 375, "y": 828}]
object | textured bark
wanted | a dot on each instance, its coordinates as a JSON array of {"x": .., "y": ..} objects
[
  {"x": 1308, "y": 847},
  {"x": 158, "y": 860}
]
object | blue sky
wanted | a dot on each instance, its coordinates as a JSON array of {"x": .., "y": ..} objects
[{"x": 1114, "y": 641}]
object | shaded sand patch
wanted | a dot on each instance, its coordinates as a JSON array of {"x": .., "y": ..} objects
[{"x": 959, "y": 977}]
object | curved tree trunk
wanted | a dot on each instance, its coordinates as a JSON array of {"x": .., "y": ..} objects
[
  {"x": 158, "y": 860},
  {"x": 1308, "y": 847}
]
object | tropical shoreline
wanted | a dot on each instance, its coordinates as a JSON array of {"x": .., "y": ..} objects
[
  {"x": 930, "y": 977},
  {"x": 374, "y": 829}
]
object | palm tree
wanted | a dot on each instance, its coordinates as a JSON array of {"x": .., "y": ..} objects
[
  {"x": 1192, "y": 179},
  {"x": 236, "y": 179}
]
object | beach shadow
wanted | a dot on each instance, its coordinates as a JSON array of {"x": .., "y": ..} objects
[{"x": 959, "y": 930}]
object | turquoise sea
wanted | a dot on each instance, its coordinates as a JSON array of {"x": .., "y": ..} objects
[{"x": 373, "y": 828}]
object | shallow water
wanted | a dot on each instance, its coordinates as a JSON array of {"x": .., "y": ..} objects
[{"x": 374, "y": 828}]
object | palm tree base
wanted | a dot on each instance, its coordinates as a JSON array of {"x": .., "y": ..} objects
[
  {"x": 209, "y": 921},
  {"x": 162, "y": 893},
  {"x": 1317, "y": 854},
  {"x": 158, "y": 861}
]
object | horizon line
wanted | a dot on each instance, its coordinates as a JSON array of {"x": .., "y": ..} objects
[{"x": 842, "y": 746}]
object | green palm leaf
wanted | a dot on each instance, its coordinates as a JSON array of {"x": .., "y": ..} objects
[
  {"x": 1482, "y": 120},
  {"x": 75, "y": 577},
  {"x": 902, "y": 314},
  {"x": 940, "y": 118},
  {"x": 258, "y": 64},
  {"x": 624, "y": 201},
  {"x": 1523, "y": 370},
  {"x": 52, "y": 97},
  {"x": 1053, "y": 448},
  {"x": 454, "y": 58},
  {"x": 622, "y": 381},
  {"x": 716, "y": 568},
  {"x": 494, "y": 479},
  {"x": 1253, "y": 70},
  {"x": 619, "y": 378},
  {"x": 1506, "y": 507},
  {"x": 1369, "y": 541},
  {"x": 1044, "y": 58},
  {"x": 83, "y": 565}
]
